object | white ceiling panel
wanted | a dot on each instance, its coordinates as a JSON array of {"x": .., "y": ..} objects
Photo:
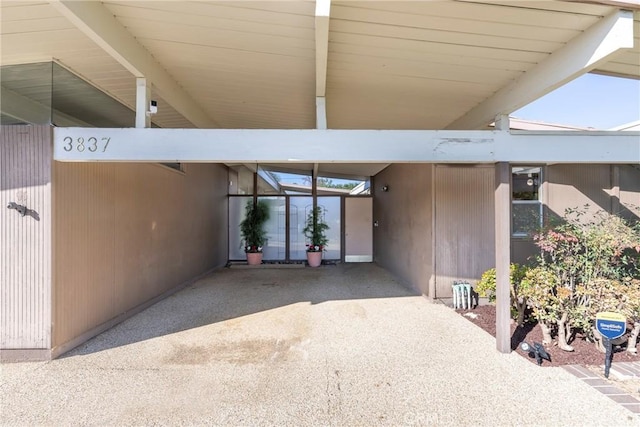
[{"x": 251, "y": 64}]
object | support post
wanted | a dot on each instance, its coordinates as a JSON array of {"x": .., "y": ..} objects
[
  {"x": 502, "y": 122},
  {"x": 615, "y": 189},
  {"x": 503, "y": 255},
  {"x": 143, "y": 97},
  {"x": 432, "y": 279},
  {"x": 314, "y": 188},
  {"x": 255, "y": 186},
  {"x": 321, "y": 112}
]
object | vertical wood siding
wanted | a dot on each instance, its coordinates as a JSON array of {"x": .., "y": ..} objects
[
  {"x": 25, "y": 242},
  {"x": 574, "y": 186},
  {"x": 464, "y": 231},
  {"x": 629, "y": 191},
  {"x": 125, "y": 233},
  {"x": 402, "y": 239}
]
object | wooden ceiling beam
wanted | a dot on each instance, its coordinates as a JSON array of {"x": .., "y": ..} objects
[
  {"x": 99, "y": 24},
  {"x": 595, "y": 46}
]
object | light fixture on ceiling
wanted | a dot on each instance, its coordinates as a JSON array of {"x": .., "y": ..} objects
[{"x": 385, "y": 188}]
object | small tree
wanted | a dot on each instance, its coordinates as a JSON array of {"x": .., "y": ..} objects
[
  {"x": 605, "y": 295},
  {"x": 252, "y": 226},
  {"x": 316, "y": 230},
  {"x": 592, "y": 261},
  {"x": 539, "y": 289}
]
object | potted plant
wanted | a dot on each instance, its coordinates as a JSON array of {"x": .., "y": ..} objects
[
  {"x": 252, "y": 230},
  {"x": 315, "y": 231}
]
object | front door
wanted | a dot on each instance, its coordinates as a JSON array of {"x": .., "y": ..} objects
[{"x": 358, "y": 232}]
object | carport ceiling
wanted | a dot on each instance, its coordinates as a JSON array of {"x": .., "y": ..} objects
[
  {"x": 391, "y": 65},
  {"x": 243, "y": 64}
]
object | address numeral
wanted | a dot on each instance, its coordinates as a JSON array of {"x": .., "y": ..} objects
[{"x": 91, "y": 144}]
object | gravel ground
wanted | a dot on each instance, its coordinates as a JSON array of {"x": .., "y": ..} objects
[{"x": 338, "y": 345}]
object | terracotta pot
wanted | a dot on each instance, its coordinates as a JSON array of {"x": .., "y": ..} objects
[
  {"x": 314, "y": 259},
  {"x": 254, "y": 258}
]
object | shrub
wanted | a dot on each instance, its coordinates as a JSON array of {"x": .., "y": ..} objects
[
  {"x": 486, "y": 287},
  {"x": 593, "y": 264}
]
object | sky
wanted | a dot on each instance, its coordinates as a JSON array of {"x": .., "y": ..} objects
[{"x": 592, "y": 100}]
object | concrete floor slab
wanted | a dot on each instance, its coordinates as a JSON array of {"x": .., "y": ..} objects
[{"x": 337, "y": 345}]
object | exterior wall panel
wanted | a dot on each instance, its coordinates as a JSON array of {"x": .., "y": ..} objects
[
  {"x": 610, "y": 188},
  {"x": 464, "y": 231},
  {"x": 402, "y": 239},
  {"x": 629, "y": 191},
  {"x": 126, "y": 233},
  {"x": 25, "y": 243},
  {"x": 574, "y": 186},
  {"x": 522, "y": 251}
]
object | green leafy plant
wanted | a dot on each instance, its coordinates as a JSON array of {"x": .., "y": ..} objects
[
  {"x": 486, "y": 287},
  {"x": 538, "y": 288},
  {"x": 594, "y": 260},
  {"x": 632, "y": 312},
  {"x": 587, "y": 264},
  {"x": 252, "y": 226},
  {"x": 580, "y": 251},
  {"x": 316, "y": 230}
]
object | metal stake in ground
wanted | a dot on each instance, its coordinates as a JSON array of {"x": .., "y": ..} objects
[
  {"x": 608, "y": 356},
  {"x": 611, "y": 326}
]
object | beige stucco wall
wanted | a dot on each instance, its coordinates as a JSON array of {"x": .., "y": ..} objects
[
  {"x": 402, "y": 239},
  {"x": 126, "y": 233}
]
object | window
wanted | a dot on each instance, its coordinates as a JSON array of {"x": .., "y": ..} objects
[{"x": 526, "y": 208}]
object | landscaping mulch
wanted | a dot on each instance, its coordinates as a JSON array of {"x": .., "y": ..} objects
[{"x": 585, "y": 352}]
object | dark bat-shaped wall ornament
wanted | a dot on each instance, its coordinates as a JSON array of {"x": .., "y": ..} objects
[{"x": 23, "y": 210}]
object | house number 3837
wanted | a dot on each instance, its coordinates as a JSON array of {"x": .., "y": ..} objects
[{"x": 91, "y": 144}]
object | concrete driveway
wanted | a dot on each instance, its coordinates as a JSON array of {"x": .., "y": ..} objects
[{"x": 338, "y": 345}]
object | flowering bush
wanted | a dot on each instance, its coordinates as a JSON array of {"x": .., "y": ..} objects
[
  {"x": 579, "y": 251},
  {"x": 584, "y": 267},
  {"x": 552, "y": 304}
]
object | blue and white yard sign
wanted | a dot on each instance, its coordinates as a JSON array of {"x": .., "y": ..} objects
[{"x": 611, "y": 325}]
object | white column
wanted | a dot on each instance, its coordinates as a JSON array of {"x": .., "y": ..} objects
[
  {"x": 143, "y": 97},
  {"x": 503, "y": 255},
  {"x": 502, "y": 122},
  {"x": 321, "y": 112},
  {"x": 615, "y": 189}
]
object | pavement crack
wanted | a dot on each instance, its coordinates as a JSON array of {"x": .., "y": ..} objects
[{"x": 333, "y": 391}]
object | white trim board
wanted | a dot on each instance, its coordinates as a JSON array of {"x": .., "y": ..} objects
[{"x": 342, "y": 146}]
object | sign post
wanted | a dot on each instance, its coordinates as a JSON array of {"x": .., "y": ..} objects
[{"x": 611, "y": 326}]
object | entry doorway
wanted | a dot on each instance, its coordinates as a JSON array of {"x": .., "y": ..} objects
[
  {"x": 358, "y": 235},
  {"x": 349, "y": 219}
]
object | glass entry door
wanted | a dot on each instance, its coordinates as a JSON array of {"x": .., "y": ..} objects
[
  {"x": 299, "y": 209},
  {"x": 287, "y": 219}
]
